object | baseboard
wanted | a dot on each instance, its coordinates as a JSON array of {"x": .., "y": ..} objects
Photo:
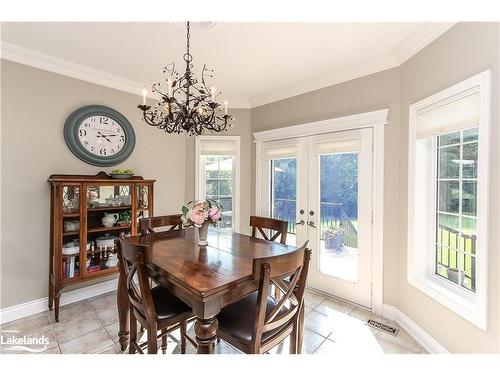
[
  {"x": 22, "y": 310},
  {"x": 413, "y": 329}
]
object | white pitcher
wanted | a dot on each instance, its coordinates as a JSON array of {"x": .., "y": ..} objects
[{"x": 109, "y": 219}]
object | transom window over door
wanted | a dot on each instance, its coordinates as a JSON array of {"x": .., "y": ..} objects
[{"x": 217, "y": 175}]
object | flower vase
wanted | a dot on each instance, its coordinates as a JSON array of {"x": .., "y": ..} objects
[{"x": 202, "y": 234}]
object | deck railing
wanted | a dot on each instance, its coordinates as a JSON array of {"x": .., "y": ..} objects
[
  {"x": 332, "y": 215},
  {"x": 449, "y": 243}
]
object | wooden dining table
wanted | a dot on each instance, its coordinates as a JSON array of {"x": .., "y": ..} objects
[{"x": 207, "y": 278}]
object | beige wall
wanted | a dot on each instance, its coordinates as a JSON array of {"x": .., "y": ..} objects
[
  {"x": 370, "y": 93},
  {"x": 241, "y": 128},
  {"x": 465, "y": 50},
  {"x": 34, "y": 105}
]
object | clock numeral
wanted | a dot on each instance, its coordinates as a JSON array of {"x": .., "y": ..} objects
[
  {"x": 102, "y": 151},
  {"x": 92, "y": 148},
  {"x": 112, "y": 151},
  {"x": 86, "y": 143},
  {"x": 83, "y": 132},
  {"x": 104, "y": 120},
  {"x": 122, "y": 138}
]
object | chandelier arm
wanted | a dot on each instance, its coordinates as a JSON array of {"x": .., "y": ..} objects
[{"x": 150, "y": 120}]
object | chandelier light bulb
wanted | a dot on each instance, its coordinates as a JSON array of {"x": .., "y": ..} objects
[
  {"x": 212, "y": 91},
  {"x": 225, "y": 107},
  {"x": 144, "y": 94}
]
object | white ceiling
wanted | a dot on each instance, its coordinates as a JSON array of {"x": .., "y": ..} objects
[{"x": 255, "y": 63}]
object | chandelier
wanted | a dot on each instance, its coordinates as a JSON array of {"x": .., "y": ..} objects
[{"x": 186, "y": 105}]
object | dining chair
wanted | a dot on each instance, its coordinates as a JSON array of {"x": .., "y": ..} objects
[
  {"x": 259, "y": 321},
  {"x": 260, "y": 223},
  {"x": 173, "y": 222},
  {"x": 156, "y": 309}
]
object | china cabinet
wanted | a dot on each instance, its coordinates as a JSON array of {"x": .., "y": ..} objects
[{"x": 88, "y": 213}]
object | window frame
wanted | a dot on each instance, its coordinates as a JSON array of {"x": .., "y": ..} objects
[
  {"x": 199, "y": 180},
  {"x": 421, "y": 260}
]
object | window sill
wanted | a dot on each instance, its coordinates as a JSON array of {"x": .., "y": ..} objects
[{"x": 461, "y": 302}]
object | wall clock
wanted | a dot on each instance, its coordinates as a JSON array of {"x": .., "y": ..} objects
[{"x": 99, "y": 135}]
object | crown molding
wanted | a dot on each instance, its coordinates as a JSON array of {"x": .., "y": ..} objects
[
  {"x": 339, "y": 76},
  {"x": 52, "y": 64},
  {"x": 25, "y": 56},
  {"x": 422, "y": 36}
]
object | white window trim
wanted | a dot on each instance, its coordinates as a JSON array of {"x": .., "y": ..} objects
[
  {"x": 420, "y": 271},
  {"x": 377, "y": 120},
  {"x": 198, "y": 183}
]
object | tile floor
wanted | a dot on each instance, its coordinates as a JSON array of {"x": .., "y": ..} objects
[{"x": 90, "y": 326}]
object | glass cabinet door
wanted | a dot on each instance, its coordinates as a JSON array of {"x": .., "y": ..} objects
[
  {"x": 144, "y": 202},
  {"x": 109, "y": 210},
  {"x": 70, "y": 232}
]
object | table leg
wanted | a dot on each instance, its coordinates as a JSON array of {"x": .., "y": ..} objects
[
  {"x": 123, "y": 310},
  {"x": 206, "y": 333}
]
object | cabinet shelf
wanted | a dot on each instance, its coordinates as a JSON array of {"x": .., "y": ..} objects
[
  {"x": 106, "y": 229},
  {"x": 71, "y": 232},
  {"x": 71, "y": 214},
  {"x": 108, "y": 208}
]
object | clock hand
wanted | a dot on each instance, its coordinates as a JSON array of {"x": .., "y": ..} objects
[{"x": 103, "y": 136}]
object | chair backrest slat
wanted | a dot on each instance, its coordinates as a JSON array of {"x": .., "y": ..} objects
[
  {"x": 133, "y": 260},
  {"x": 147, "y": 225},
  {"x": 288, "y": 272},
  {"x": 261, "y": 223}
]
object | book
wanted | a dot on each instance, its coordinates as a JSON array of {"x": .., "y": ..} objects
[{"x": 72, "y": 267}]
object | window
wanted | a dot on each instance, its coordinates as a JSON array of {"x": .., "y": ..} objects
[
  {"x": 456, "y": 213},
  {"x": 448, "y": 168},
  {"x": 219, "y": 184},
  {"x": 217, "y": 175}
]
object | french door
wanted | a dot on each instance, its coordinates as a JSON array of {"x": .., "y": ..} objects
[{"x": 322, "y": 185}]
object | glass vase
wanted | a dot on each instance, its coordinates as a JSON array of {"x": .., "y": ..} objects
[{"x": 202, "y": 234}]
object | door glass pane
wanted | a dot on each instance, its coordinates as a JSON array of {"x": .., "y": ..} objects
[
  {"x": 338, "y": 253},
  {"x": 219, "y": 185},
  {"x": 284, "y": 194}
]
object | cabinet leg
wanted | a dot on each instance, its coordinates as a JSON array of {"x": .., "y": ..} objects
[
  {"x": 206, "y": 333},
  {"x": 56, "y": 305},
  {"x": 51, "y": 295}
]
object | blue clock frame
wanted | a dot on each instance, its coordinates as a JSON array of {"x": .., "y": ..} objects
[{"x": 72, "y": 125}]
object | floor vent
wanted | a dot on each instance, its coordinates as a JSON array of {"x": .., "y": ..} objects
[{"x": 383, "y": 327}]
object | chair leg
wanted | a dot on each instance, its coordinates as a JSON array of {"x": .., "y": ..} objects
[
  {"x": 300, "y": 330},
  {"x": 293, "y": 337},
  {"x": 152, "y": 338},
  {"x": 133, "y": 333},
  {"x": 164, "y": 341},
  {"x": 183, "y": 336}
]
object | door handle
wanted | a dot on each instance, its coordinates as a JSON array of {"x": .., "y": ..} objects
[
  {"x": 311, "y": 224},
  {"x": 302, "y": 222}
]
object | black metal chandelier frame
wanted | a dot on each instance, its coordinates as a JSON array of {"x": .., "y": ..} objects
[{"x": 186, "y": 105}]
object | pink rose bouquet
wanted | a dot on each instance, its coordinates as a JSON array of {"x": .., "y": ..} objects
[{"x": 195, "y": 213}]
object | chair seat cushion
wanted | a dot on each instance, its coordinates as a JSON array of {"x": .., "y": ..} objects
[
  {"x": 166, "y": 304},
  {"x": 238, "y": 319}
]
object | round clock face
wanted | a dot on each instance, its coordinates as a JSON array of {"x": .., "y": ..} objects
[{"x": 101, "y": 135}]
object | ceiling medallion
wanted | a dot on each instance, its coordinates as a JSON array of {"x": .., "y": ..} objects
[{"x": 186, "y": 105}]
